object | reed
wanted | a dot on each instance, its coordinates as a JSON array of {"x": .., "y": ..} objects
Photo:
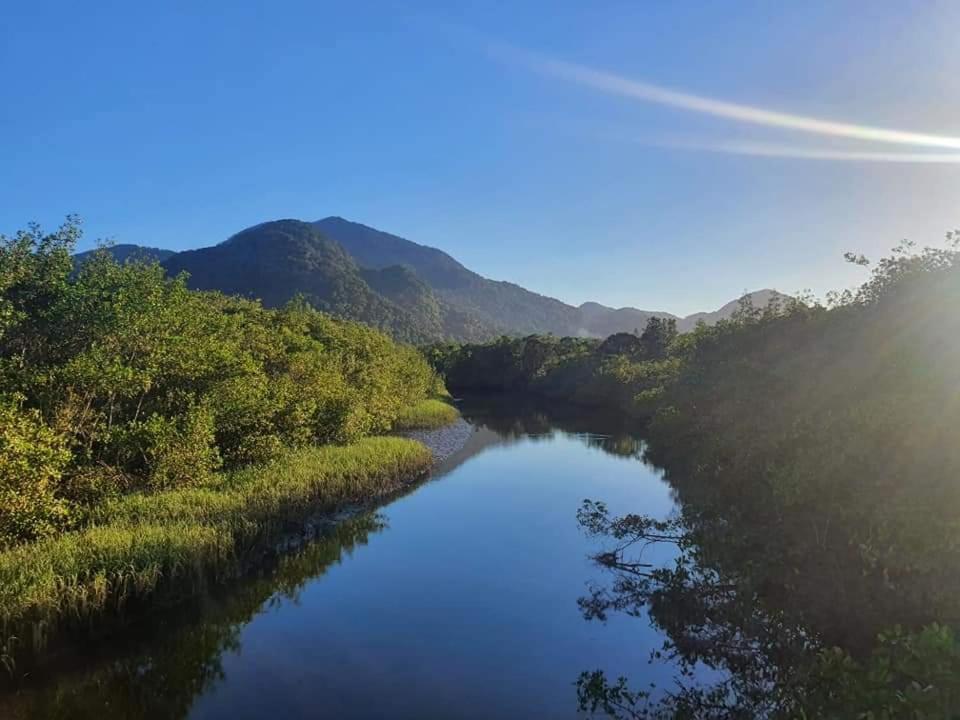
[
  {"x": 427, "y": 414},
  {"x": 141, "y": 542}
]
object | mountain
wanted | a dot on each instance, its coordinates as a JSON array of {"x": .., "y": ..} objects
[
  {"x": 502, "y": 306},
  {"x": 758, "y": 298},
  {"x": 601, "y": 321},
  {"x": 415, "y": 292},
  {"x": 436, "y": 317},
  {"x": 124, "y": 252},
  {"x": 598, "y": 320},
  {"x": 278, "y": 260}
]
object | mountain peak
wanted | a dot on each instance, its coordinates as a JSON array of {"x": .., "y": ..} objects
[
  {"x": 124, "y": 252},
  {"x": 286, "y": 226}
]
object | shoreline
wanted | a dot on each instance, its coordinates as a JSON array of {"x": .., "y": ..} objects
[
  {"x": 444, "y": 441},
  {"x": 82, "y": 580},
  {"x": 172, "y": 590}
]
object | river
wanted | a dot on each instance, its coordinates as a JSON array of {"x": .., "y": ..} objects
[{"x": 458, "y": 599}]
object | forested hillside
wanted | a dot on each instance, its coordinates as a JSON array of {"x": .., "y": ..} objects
[
  {"x": 504, "y": 306},
  {"x": 277, "y": 261}
]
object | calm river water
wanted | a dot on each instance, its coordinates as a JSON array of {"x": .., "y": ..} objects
[{"x": 457, "y": 600}]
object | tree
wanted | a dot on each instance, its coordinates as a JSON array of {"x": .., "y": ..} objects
[
  {"x": 621, "y": 344},
  {"x": 657, "y": 336}
]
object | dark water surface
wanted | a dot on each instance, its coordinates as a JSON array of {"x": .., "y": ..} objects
[{"x": 458, "y": 599}]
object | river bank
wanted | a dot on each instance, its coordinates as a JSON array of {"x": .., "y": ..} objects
[
  {"x": 444, "y": 441},
  {"x": 165, "y": 547},
  {"x": 169, "y": 545},
  {"x": 406, "y": 611}
]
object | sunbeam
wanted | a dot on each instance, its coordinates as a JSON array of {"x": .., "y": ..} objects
[{"x": 619, "y": 85}]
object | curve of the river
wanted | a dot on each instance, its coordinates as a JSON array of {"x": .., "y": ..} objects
[{"x": 458, "y": 599}]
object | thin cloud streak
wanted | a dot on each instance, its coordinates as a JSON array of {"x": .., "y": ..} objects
[
  {"x": 788, "y": 151},
  {"x": 619, "y": 85}
]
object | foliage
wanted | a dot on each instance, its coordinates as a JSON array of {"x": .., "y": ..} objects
[
  {"x": 32, "y": 460},
  {"x": 657, "y": 337},
  {"x": 115, "y": 377},
  {"x": 813, "y": 450},
  {"x": 624, "y": 371},
  {"x": 141, "y": 543}
]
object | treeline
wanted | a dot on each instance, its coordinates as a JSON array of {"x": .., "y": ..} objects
[
  {"x": 116, "y": 378},
  {"x": 624, "y": 371},
  {"x": 813, "y": 447}
]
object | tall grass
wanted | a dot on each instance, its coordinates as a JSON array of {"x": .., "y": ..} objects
[
  {"x": 427, "y": 414},
  {"x": 141, "y": 542}
]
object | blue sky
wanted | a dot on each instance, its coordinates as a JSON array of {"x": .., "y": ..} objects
[{"x": 178, "y": 125}]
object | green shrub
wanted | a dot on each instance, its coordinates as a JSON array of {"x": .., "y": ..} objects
[
  {"x": 152, "y": 385},
  {"x": 244, "y": 409},
  {"x": 32, "y": 461},
  {"x": 180, "y": 452}
]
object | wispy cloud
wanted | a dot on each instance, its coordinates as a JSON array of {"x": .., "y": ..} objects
[
  {"x": 618, "y": 85},
  {"x": 756, "y": 149}
]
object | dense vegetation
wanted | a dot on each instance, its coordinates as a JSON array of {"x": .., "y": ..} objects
[
  {"x": 813, "y": 448},
  {"x": 149, "y": 432},
  {"x": 625, "y": 371}
]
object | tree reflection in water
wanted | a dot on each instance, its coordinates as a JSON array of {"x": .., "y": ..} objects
[
  {"x": 532, "y": 418},
  {"x": 160, "y": 669},
  {"x": 798, "y": 627}
]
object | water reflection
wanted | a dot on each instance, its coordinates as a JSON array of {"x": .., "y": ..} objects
[
  {"x": 157, "y": 669},
  {"x": 536, "y": 418},
  {"x": 473, "y": 602},
  {"x": 466, "y": 605},
  {"x": 794, "y": 617}
]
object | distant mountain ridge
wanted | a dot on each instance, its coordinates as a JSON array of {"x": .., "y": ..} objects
[
  {"x": 758, "y": 298},
  {"x": 415, "y": 292},
  {"x": 521, "y": 311},
  {"x": 601, "y": 321},
  {"x": 126, "y": 251}
]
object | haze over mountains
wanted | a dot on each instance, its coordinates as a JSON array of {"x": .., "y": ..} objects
[{"x": 415, "y": 292}]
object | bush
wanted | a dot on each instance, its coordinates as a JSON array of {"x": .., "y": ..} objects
[
  {"x": 180, "y": 452},
  {"x": 32, "y": 461},
  {"x": 150, "y": 385}
]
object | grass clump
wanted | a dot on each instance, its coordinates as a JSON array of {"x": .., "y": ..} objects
[
  {"x": 426, "y": 414},
  {"x": 141, "y": 542}
]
